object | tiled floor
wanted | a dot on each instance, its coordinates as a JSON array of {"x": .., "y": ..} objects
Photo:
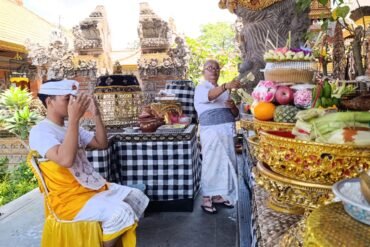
[{"x": 168, "y": 229}]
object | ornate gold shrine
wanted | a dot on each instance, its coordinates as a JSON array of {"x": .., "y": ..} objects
[{"x": 255, "y": 5}]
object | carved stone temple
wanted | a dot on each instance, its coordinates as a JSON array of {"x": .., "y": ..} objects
[
  {"x": 92, "y": 39},
  {"x": 164, "y": 56},
  {"x": 82, "y": 55}
]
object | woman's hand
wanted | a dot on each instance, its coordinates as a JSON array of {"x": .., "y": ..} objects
[
  {"x": 230, "y": 104},
  {"x": 234, "y": 84}
]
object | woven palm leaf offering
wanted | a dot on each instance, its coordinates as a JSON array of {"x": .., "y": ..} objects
[{"x": 289, "y": 65}]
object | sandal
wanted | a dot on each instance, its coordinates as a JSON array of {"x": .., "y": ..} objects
[
  {"x": 209, "y": 209},
  {"x": 222, "y": 202}
]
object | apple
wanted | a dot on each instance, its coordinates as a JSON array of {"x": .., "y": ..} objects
[
  {"x": 284, "y": 95},
  {"x": 246, "y": 108}
]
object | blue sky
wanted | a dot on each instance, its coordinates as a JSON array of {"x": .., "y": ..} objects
[{"x": 123, "y": 16}]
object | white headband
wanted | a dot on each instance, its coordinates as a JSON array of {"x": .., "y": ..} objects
[{"x": 63, "y": 87}]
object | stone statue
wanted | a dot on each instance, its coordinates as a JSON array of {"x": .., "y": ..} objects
[
  {"x": 180, "y": 57},
  {"x": 152, "y": 67},
  {"x": 278, "y": 17}
]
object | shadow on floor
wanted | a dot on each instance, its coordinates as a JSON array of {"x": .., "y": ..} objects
[{"x": 188, "y": 229}]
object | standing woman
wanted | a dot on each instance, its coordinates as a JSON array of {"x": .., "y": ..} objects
[{"x": 217, "y": 113}]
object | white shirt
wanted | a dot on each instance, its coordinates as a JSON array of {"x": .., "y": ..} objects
[
  {"x": 47, "y": 134},
  {"x": 201, "y": 101}
]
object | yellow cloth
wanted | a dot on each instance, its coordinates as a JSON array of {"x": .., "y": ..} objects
[
  {"x": 66, "y": 196},
  {"x": 82, "y": 234}
]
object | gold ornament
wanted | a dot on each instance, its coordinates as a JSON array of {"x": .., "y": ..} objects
[
  {"x": 255, "y": 5},
  {"x": 289, "y": 195},
  {"x": 253, "y": 142},
  {"x": 246, "y": 124},
  {"x": 311, "y": 161},
  {"x": 271, "y": 126}
]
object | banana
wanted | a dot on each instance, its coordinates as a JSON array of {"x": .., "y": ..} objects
[
  {"x": 326, "y": 90},
  {"x": 365, "y": 185}
]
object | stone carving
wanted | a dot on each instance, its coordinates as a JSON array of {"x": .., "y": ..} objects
[
  {"x": 56, "y": 57},
  {"x": 175, "y": 62},
  {"x": 36, "y": 53},
  {"x": 80, "y": 43},
  {"x": 154, "y": 33},
  {"x": 91, "y": 33},
  {"x": 86, "y": 68},
  {"x": 180, "y": 57},
  {"x": 279, "y": 18}
]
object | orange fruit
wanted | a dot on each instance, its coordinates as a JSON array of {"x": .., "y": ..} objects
[{"x": 264, "y": 111}]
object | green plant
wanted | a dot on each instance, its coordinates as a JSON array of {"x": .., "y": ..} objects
[
  {"x": 3, "y": 167},
  {"x": 21, "y": 122},
  {"x": 217, "y": 41},
  {"x": 16, "y": 183},
  {"x": 15, "y": 98},
  {"x": 15, "y": 115}
]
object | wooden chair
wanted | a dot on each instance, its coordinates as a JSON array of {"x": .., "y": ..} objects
[{"x": 63, "y": 233}]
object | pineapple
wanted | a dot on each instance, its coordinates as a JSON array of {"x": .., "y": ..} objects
[{"x": 285, "y": 113}]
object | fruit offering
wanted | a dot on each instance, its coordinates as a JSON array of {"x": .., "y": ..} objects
[
  {"x": 285, "y": 113},
  {"x": 322, "y": 95},
  {"x": 284, "y": 95},
  {"x": 264, "y": 111},
  {"x": 264, "y": 91}
]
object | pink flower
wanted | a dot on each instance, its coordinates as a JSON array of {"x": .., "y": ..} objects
[
  {"x": 303, "y": 98},
  {"x": 282, "y": 50}
]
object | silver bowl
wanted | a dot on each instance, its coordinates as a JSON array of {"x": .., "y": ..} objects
[{"x": 355, "y": 204}]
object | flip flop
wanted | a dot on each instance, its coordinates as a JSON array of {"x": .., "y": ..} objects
[
  {"x": 225, "y": 204},
  {"x": 208, "y": 209}
]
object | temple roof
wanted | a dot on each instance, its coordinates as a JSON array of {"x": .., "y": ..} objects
[{"x": 17, "y": 24}]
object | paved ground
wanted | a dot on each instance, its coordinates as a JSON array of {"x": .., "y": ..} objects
[{"x": 22, "y": 220}]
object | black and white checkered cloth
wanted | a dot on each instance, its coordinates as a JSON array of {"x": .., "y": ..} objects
[
  {"x": 184, "y": 91},
  {"x": 101, "y": 160},
  {"x": 169, "y": 169}
]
